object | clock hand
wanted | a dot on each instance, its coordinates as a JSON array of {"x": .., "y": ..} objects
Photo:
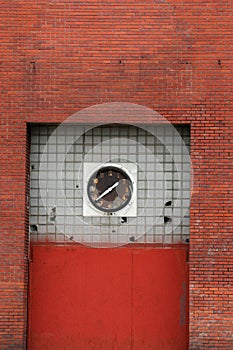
[{"x": 107, "y": 190}]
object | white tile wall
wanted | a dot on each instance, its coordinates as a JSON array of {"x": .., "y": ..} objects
[{"x": 159, "y": 158}]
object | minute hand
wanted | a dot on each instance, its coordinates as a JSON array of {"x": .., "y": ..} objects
[{"x": 107, "y": 190}]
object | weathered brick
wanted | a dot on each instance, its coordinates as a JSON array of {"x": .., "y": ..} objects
[{"x": 175, "y": 57}]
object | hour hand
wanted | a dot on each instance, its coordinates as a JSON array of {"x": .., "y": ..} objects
[{"x": 107, "y": 191}]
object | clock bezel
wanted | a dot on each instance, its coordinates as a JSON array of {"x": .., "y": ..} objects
[{"x": 95, "y": 176}]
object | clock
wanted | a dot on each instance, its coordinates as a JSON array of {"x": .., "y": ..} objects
[{"x": 110, "y": 189}]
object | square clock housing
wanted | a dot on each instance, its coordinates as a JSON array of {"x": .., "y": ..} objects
[{"x": 110, "y": 189}]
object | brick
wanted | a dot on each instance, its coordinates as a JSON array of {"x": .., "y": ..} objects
[{"x": 175, "y": 57}]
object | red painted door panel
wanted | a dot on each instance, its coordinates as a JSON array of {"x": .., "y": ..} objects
[
  {"x": 109, "y": 299},
  {"x": 159, "y": 307}
]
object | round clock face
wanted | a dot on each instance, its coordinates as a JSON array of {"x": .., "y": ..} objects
[{"x": 110, "y": 189}]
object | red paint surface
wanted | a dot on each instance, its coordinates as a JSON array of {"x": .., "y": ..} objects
[{"x": 84, "y": 298}]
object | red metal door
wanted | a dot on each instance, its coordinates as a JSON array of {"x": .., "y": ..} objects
[{"x": 109, "y": 299}]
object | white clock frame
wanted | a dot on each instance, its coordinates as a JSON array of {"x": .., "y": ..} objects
[{"x": 130, "y": 210}]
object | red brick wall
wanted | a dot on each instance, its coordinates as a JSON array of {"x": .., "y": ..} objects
[{"x": 174, "y": 56}]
